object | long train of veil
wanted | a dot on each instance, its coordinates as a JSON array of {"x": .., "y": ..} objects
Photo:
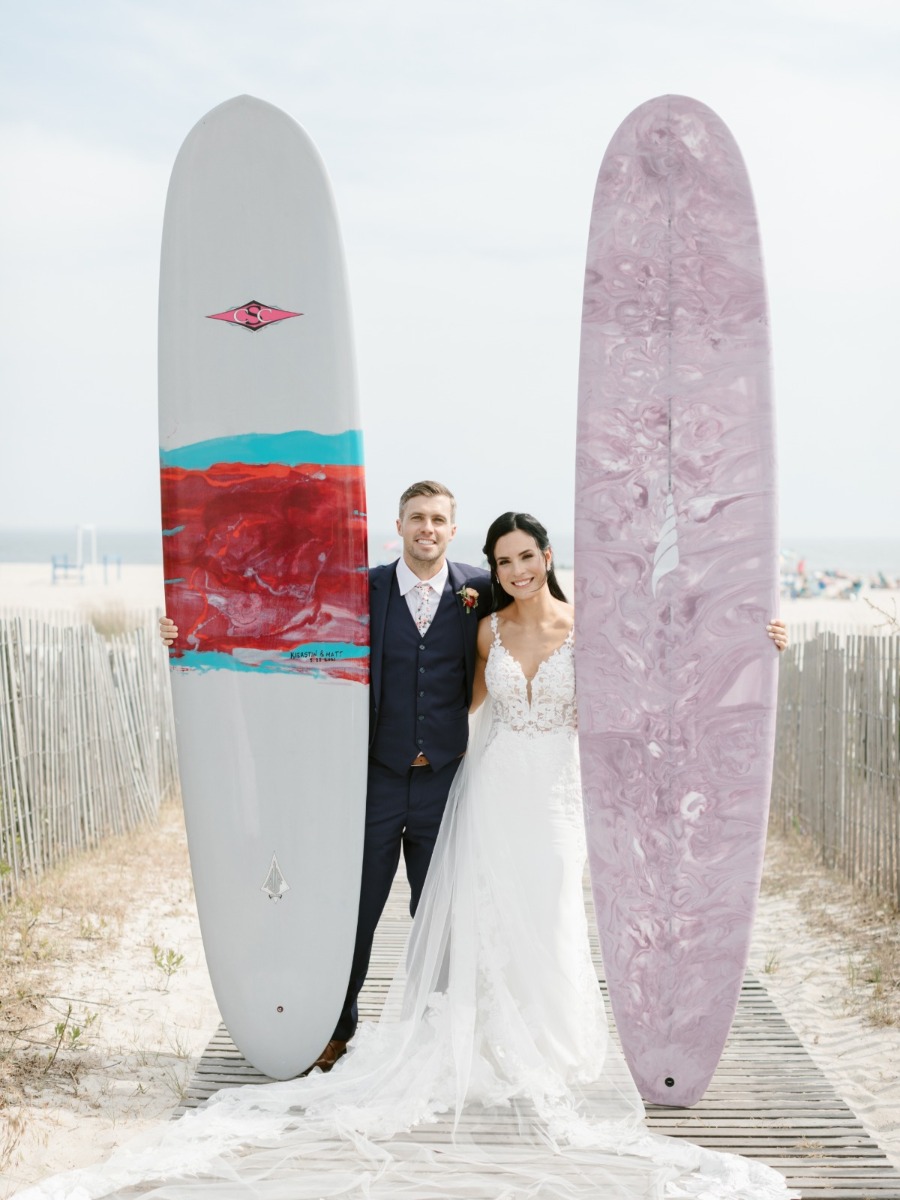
[{"x": 462, "y": 1089}]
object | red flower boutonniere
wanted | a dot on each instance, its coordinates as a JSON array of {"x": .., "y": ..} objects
[{"x": 469, "y": 598}]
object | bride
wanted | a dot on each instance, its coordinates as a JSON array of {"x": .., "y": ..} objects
[{"x": 491, "y": 1072}]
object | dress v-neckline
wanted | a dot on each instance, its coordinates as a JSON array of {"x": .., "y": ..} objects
[{"x": 498, "y": 641}]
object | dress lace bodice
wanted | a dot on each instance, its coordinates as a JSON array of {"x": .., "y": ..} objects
[{"x": 551, "y": 703}]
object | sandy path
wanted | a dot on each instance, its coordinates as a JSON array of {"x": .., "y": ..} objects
[
  {"x": 142, "y": 1048},
  {"x": 143, "y": 1031}
]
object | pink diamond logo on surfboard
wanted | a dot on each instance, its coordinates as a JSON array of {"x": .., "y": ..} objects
[{"x": 254, "y": 316}]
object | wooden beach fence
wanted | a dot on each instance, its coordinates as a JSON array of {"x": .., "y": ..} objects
[
  {"x": 87, "y": 745},
  {"x": 837, "y": 759}
]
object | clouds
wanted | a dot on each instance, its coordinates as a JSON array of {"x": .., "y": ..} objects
[{"x": 463, "y": 144}]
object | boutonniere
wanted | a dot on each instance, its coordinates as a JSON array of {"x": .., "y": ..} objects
[{"x": 469, "y": 598}]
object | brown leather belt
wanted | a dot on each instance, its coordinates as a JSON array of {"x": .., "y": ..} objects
[{"x": 421, "y": 761}]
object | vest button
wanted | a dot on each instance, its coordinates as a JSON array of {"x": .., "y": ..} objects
[
  {"x": 421, "y": 670},
  {"x": 421, "y": 716},
  {"x": 421, "y": 693},
  {"x": 421, "y": 645},
  {"x": 420, "y": 741}
]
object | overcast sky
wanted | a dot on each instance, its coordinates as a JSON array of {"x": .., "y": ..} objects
[{"x": 463, "y": 142}]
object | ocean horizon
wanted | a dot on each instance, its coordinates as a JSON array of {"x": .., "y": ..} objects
[{"x": 857, "y": 556}]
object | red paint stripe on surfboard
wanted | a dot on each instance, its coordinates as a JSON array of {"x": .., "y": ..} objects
[{"x": 266, "y": 557}]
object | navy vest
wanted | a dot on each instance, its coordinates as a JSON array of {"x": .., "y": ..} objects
[{"x": 423, "y": 706}]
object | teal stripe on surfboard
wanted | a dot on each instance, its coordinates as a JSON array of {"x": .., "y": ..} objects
[
  {"x": 257, "y": 449},
  {"x": 308, "y": 658}
]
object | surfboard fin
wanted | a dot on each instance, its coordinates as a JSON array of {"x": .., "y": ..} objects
[{"x": 276, "y": 884}]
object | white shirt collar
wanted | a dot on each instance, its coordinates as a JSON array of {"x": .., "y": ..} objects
[{"x": 408, "y": 580}]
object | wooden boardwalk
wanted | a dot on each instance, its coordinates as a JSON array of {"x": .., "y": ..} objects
[{"x": 767, "y": 1099}]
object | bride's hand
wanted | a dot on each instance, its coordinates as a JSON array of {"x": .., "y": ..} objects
[{"x": 777, "y": 631}]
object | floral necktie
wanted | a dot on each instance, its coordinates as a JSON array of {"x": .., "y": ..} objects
[{"x": 423, "y": 606}]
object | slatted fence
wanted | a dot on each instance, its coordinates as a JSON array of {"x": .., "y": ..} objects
[
  {"x": 87, "y": 745},
  {"x": 837, "y": 759}
]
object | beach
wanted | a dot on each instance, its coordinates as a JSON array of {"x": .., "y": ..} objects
[
  {"x": 108, "y": 945},
  {"x": 27, "y": 587}
]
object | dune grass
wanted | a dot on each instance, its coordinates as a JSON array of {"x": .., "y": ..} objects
[
  {"x": 46, "y": 1039},
  {"x": 868, "y": 928}
]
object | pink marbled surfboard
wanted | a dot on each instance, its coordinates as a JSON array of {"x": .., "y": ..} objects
[{"x": 675, "y": 580}]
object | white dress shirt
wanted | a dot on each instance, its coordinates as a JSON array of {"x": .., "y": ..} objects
[{"x": 408, "y": 581}]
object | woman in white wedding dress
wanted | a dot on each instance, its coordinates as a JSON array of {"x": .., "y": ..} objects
[{"x": 491, "y": 1073}]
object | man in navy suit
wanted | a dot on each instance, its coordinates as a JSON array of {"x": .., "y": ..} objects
[{"x": 424, "y": 614}]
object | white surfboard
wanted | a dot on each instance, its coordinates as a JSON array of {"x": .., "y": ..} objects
[{"x": 264, "y": 540}]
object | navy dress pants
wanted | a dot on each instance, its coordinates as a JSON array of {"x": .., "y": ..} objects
[{"x": 402, "y": 812}]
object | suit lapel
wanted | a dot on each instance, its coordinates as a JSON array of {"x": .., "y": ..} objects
[
  {"x": 380, "y": 582},
  {"x": 468, "y": 622}
]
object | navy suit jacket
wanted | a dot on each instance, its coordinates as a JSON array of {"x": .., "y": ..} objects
[{"x": 381, "y": 580}]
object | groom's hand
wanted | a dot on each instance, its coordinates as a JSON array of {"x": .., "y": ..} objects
[{"x": 168, "y": 631}]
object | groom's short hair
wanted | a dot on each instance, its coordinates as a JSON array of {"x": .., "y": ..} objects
[{"x": 428, "y": 487}]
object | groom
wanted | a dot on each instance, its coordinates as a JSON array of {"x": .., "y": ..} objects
[{"x": 424, "y": 614}]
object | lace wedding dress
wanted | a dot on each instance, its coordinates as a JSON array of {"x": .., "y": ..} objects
[{"x": 491, "y": 1073}]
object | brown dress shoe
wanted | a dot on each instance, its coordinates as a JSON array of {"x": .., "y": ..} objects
[{"x": 329, "y": 1056}]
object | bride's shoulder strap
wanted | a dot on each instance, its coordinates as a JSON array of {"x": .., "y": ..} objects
[{"x": 495, "y": 628}]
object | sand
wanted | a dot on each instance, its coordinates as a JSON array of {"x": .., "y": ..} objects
[
  {"x": 813, "y": 939},
  {"x": 143, "y": 1030},
  {"x": 27, "y": 587}
]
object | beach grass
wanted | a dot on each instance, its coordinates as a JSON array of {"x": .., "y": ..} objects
[
  {"x": 868, "y": 928},
  {"x": 46, "y": 1039}
]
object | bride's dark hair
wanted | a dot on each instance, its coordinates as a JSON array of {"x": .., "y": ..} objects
[{"x": 507, "y": 523}]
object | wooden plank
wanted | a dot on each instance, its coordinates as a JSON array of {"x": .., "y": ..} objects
[{"x": 767, "y": 1100}]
